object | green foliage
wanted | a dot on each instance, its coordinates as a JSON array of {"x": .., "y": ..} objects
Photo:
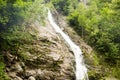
[
  {"x": 15, "y": 12},
  {"x": 61, "y": 5},
  {"x": 98, "y": 23},
  {"x": 3, "y": 76},
  {"x": 116, "y": 72},
  {"x": 16, "y": 16},
  {"x": 64, "y": 6},
  {"x": 100, "y": 27}
]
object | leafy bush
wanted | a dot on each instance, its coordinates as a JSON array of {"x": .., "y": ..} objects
[
  {"x": 16, "y": 17},
  {"x": 61, "y": 5},
  {"x": 97, "y": 24}
]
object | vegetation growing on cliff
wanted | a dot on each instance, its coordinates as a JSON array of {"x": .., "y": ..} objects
[
  {"x": 98, "y": 23},
  {"x": 15, "y": 19}
]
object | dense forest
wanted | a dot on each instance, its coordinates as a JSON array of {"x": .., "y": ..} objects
[
  {"x": 15, "y": 19},
  {"x": 96, "y": 21}
]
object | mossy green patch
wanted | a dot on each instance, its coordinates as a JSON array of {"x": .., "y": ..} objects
[{"x": 3, "y": 75}]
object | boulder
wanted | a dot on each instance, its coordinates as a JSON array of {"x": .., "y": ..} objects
[
  {"x": 30, "y": 73},
  {"x": 31, "y": 78},
  {"x": 16, "y": 67},
  {"x": 17, "y": 78}
]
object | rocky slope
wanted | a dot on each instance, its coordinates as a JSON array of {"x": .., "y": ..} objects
[{"x": 46, "y": 58}]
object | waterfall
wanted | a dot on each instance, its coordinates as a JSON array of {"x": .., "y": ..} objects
[{"x": 81, "y": 70}]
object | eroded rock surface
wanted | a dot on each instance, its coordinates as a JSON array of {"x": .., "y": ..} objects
[{"x": 47, "y": 58}]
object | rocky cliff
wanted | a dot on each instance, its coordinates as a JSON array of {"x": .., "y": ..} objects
[{"x": 45, "y": 58}]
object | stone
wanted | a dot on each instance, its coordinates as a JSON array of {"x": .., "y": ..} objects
[
  {"x": 17, "y": 78},
  {"x": 55, "y": 56},
  {"x": 12, "y": 74},
  {"x": 30, "y": 72},
  {"x": 31, "y": 78},
  {"x": 10, "y": 57},
  {"x": 7, "y": 69},
  {"x": 22, "y": 64},
  {"x": 28, "y": 54},
  {"x": 17, "y": 67},
  {"x": 39, "y": 72}
]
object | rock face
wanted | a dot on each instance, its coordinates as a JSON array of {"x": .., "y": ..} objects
[
  {"x": 47, "y": 58},
  {"x": 31, "y": 78}
]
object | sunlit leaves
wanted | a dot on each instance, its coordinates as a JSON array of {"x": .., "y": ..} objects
[{"x": 101, "y": 21}]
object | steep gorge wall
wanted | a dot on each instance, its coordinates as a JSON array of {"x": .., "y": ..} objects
[{"x": 45, "y": 58}]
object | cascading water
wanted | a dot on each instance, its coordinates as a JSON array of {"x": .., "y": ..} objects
[{"x": 81, "y": 70}]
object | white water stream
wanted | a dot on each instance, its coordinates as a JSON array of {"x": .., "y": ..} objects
[{"x": 81, "y": 70}]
